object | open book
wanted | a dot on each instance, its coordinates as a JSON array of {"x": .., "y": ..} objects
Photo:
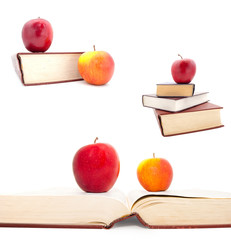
[{"x": 75, "y": 209}]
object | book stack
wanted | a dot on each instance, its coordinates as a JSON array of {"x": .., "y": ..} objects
[{"x": 179, "y": 109}]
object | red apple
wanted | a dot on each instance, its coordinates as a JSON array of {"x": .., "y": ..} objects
[
  {"x": 96, "y": 167},
  {"x": 183, "y": 70},
  {"x": 96, "y": 67},
  {"x": 37, "y": 35}
]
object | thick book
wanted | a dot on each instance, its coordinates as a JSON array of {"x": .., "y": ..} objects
[
  {"x": 47, "y": 68},
  {"x": 74, "y": 209},
  {"x": 175, "y": 90},
  {"x": 199, "y": 118},
  {"x": 174, "y": 104}
]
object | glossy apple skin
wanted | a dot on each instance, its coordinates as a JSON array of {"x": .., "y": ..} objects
[
  {"x": 183, "y": 70},
  {"x": 96, "y": 167},
  {"x": 37, "y": 35},
  {"x": 96, "y": 67},
  {"x": 155, "y": 174}
]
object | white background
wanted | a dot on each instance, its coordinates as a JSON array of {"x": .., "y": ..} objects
[{"x": 41, "y": 127}]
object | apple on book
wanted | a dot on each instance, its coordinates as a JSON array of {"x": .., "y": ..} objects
[
  {"x": 96, "y": 67},
  {"x": 183, "y": 70},
  {"x": 96, "y": 167},
  {"x": 155, "y": 174},
  {"x": 37, "y": 35}
]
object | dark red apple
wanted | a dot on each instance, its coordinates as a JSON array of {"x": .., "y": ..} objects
[
  {"x": 37, "y": 35},
  {"x": 96, "y": 167},
  {"x": 183, "y": 70}
]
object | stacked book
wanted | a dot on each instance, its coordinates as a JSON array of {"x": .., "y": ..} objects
[
  {"x": 179, "y": 109},
  {"x": 47, "y": 68}
]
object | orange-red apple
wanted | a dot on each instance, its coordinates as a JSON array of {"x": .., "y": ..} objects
[
  {"x": 96, "y": 67},
  {"x": 96, "y": 167},
  {"x": 155, "y": 174}
]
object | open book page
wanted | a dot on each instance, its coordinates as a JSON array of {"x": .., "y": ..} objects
[
  {"x": 63, "y": 207},
  {"x": 113, "y": 193},
  {"x": 186, "y": 208},
  {"x": 135, "y": 195}
]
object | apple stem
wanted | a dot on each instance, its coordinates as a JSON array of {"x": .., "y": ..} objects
[
  {"x": 180, "y": 56},
  {"x": 154, "y": 155},
  {"x": 95, "y": 140},
  {"x": 94, "y": 47}
]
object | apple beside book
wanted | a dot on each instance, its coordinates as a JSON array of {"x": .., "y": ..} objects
[
  {"x": 37, "y": 35},
  {"x": 96, "y": 67},
  {"x": 96, "y": 167},
  {"x": 183, "y": 70},
  {"x": 155, "y": 174}
]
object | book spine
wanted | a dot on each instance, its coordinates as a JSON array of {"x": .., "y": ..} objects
[
  {"x": 159, "y": 122},
  {"x": 17, "y": 66}
]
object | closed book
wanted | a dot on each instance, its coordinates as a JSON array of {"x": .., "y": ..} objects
[
  {"x": 47, "y": 68},
  {"x": 175, "y": 90},
  {"x": 173, "y": 104},
  {"x": 73, "y": 209},
  {"x": 199, "y": 118}
]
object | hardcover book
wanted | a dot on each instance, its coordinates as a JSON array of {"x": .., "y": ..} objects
[
  {"x": 74, "y": 209},
  {"x": 47, "y": 68},
  {"x": 201, "y": 117},
  {"x": 173, "y": 104},
  {"x": 175, "y": 90}
]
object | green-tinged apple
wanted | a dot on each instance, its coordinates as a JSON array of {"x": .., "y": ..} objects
[
  {"x": 96, "y": 67},
  {"x": 96, "y": 167}
]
